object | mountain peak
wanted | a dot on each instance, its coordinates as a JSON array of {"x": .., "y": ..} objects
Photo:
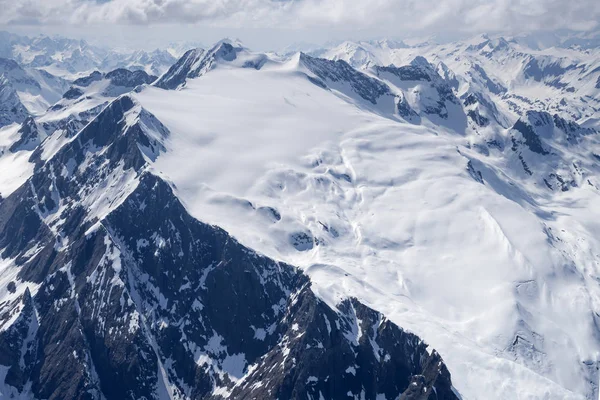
[
  {"x": 197, "y": 62},
  {"x": 11, "y": 108},
  {"x": 30, "y": 136},
  {"x": 420, "y": 61}
]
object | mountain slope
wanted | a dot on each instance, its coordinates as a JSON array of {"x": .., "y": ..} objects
[
  {"x": 197, "y": 62},
  {"x": 11, "y": 108},
  {"x": 36, "y": 89},
  {"x": 517, "y": 77},
  {"x": 151, "y": 303},
  {"x": 401, "y": 212}
]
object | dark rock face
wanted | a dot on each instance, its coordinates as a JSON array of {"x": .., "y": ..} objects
[
  {"x": 197, "y": 62},
  {"x": 177, "y": 74},
  {"x": 421, "y": 73},
  {"x": 88, "y": 80},
  {"x": 537, "y": 124},
  {"x": 122, "y": 294},
  {"x": 407, "y": 72},
  {"x": 448, "y": 75},
  {"x": 479, "y": 73},
  {"x": 406, "y": 111},
  {"x": 29, "y": 136},
  {"x": 69, "y": 127},
  {"x": 433, "y": 384},
  {"x": 478, "y": 118},
  {"x": 11, "y": 108},
  {"x": 475, "y": 174},
  {"x": 482, "y": 110},
  {"x": 532, "y": 140},
  {"x": 119, "y": 79},
  {"x": 340, "y": 72},
  {"x": 124, "y": 77},
  {"x": 16, "y": 338},
  {"x": 73, "y": 93},
  {"x": 572, "y": 130},
  {"x": 549, "y": 72},
  {"x": 351, "y": 352}
]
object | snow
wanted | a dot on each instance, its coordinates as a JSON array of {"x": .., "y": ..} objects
[
  {"x": 222, "y": 126},
  {"x": 16, "y": 169},
  {"x": 259, "y": 333},
  {"x": 416, "y": 237},
  {"x": 10, "y": 391},
  {"x": 70, "y": 58},
  {"x": 112, "y": 191},
  {"x": 234, "y": 365},
  {"x": 9, "y": 273}
]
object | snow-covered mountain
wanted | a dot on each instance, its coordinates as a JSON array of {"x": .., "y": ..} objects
[
  {"x": 554, "y": 79},
  {"x": 71, "y": 58},
  {"x": 80, "y": 103},
  {"x": 211, "y": 319},
  {"x": 36, "y": 89},
  {"x": 197, "y": 62},
  {"x": 11, "y": 108},
  {"x": 154, "y": 63},
  {"x": 308, "y": 226},
  {"x": 57, "y": 55}
]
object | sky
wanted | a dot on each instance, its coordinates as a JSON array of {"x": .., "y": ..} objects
[{"x": 265, "y": 24}]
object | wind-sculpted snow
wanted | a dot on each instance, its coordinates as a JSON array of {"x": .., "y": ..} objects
[
  {"x": 456, "y": 225},
  {"x": 114, "y": 291}
]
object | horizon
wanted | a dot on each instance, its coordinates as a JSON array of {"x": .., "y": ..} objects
[{"x": 545, "y": 38}]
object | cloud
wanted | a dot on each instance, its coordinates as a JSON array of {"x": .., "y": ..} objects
[{"x": 393, "y": 16}]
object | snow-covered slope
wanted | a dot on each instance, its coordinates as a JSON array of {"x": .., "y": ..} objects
[
  {"x": 11, "y": 108},
  {"x": 517, "y": 77},
  {"x": 442, "y": 229},
  {"x": 151, "y": 303},
  {"x": 27, "y": 140},
  {"x": 58, "y": 55},
  {"x": 36, "y": 89}
]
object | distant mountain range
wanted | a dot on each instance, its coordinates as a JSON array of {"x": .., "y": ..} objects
[{"x": 68, "y": 57}]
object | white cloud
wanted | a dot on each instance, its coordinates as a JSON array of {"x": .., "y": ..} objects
[{"x": 395, "y": 16}]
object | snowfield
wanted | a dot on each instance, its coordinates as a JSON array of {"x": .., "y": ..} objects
[{"x": 499, "y": 276}]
